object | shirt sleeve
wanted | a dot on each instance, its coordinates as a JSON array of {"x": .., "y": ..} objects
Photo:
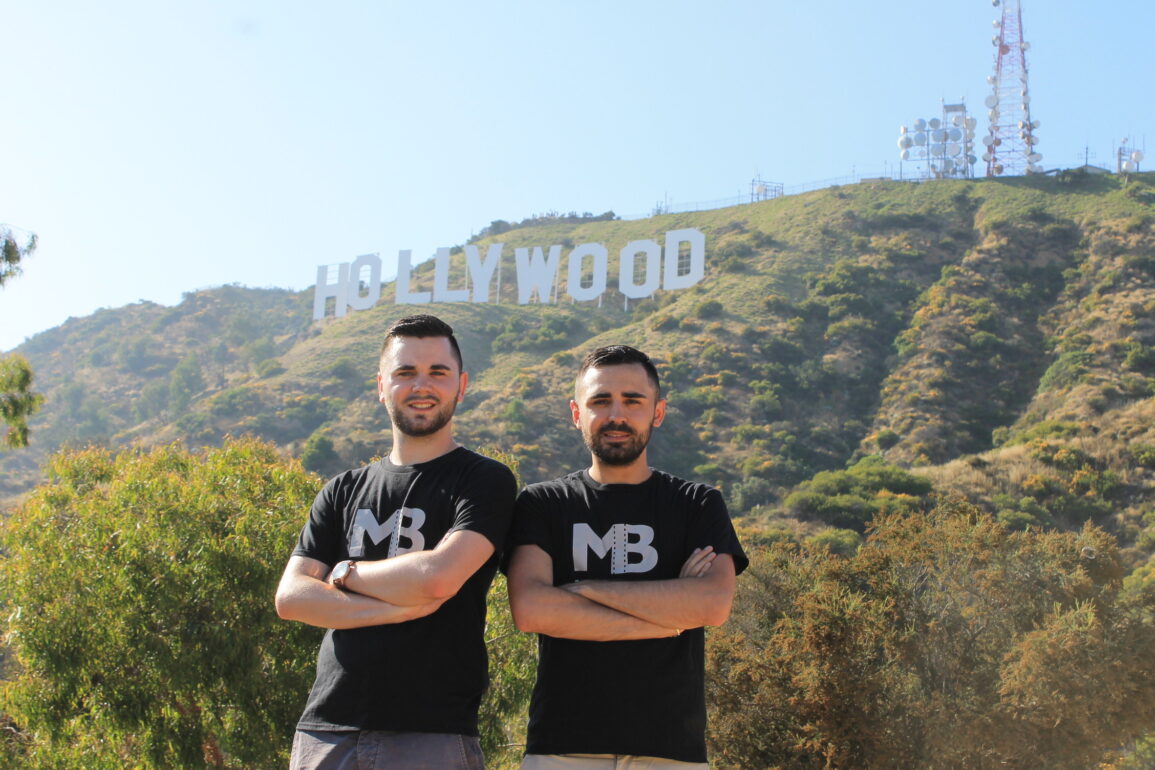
[
  {"x": 484, "y": 502},
  {"x": 713, "y": 527},
  {"x": 529, "y": 526},
  {"x": 322, "y": 538}
]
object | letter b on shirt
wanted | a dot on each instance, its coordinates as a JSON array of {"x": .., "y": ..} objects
[{"x": 628, "y": 546}]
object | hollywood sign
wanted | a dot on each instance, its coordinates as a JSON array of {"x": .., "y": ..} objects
[{"x": 643, "y": 268}]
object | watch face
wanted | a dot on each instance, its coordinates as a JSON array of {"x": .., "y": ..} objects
[{"x": 340, "y": 572}]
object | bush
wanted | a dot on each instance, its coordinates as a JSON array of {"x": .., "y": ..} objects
[
  {"x": 946, "y": 640},
  {"x": 153, "y": 641}
]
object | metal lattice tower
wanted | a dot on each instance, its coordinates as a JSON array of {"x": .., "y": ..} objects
[{"x": 1010, "y": 145}]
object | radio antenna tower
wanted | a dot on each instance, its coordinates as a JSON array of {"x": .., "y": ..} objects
[{"x": 1010, "y": 145}]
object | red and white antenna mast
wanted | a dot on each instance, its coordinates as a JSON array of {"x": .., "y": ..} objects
[{"x": 1010, "y": 145}]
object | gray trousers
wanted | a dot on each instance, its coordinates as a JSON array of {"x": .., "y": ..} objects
[{"x": 383, "y": 750}]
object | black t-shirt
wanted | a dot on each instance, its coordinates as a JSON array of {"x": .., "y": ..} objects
[
  {"x": 645, "y": 696},
  {"x": 428, "y": 674}
]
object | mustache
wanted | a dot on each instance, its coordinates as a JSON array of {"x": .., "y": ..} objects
[
  {"x": 432, "y": 398},
  {"x": 618, "y": 428}
]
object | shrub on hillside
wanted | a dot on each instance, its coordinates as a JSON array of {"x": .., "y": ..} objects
[{"x": 946, "y": 640}]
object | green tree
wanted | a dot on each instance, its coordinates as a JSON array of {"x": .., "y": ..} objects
[
  {"x": 139, "y": 601},
  {"x": 17, "y": 401},
  {"x": 318, "y": 454},
  {"x": 187, "y": 380},
  {"x": 946, "y": 641}
]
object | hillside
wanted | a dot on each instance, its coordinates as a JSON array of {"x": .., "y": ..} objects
[{"x": 996, "y": 337}]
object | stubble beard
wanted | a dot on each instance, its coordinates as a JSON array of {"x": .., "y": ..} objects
[
  {"x": 620, "y": 453},
  {"x": 416, "y": 428}
]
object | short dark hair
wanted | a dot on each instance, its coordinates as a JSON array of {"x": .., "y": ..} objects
[
  {"x": 422, "y": 326},
  {"x": 614, "y": 355}
]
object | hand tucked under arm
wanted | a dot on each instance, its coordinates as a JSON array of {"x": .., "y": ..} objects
[
  {"x": 540, "y": 607},
  {"x": 305, "y": 595},
  {"x": 683, "y": 602},
  {"x": 420, "y": 577}
]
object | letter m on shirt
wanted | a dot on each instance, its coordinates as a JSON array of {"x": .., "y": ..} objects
[
  {"x": 621, "y": 542},
  {"x": 404, "y": 523}
]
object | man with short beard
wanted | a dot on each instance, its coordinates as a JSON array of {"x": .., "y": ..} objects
[
  {"x": 395, "y": 560},
  {"x": 618, "y": 568}
]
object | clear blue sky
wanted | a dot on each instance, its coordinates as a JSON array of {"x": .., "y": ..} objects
[{"x": 158, "y": 147}]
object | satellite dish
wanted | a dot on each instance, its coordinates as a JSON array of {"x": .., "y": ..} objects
[
  {"x": 971, "y": 159},
  {"x": 1026, "y": 46},
  {"x": 935, "y": 123},
  {"x": 1034, "y": 124},
  {"x": 1034, "y": 157},
  {"x": 919, "y": 124},
  {"x": 957, "y": 120},
  {"x": 971, "y": 124},
  {"x": 1137, "y": 156},
  {"x": 1129, "y": 166},
  {"x": 953, "y": 149},
  {"x": 904, "y": 141},
  {"x": 993, "y": 114},
  {"x": 956, "y": 135},
  {"x": 947, "y": 164},
  {"x": 920, "y": 139},
  {"x": 986, "y": 156},
  {"x": 905, "y": 155},
  {"x": 988, "y": 140},
  {"x": 992, "y": 101}
]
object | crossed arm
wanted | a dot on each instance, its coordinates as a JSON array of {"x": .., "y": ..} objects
[
  {"x": 606, "y": 610},
  {"x": 405, "y": 587}
]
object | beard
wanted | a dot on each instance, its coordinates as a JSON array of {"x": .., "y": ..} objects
[
  {"x": 620, "y": 452},
  {"x": 425, "y": 424}
]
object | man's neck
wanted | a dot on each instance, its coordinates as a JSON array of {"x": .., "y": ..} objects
[
  {"x": 634, "y": 473},
  {"x": 412, "y": 450}
]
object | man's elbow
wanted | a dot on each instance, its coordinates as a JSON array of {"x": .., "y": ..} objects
[
  {"x": 718, "y": 612},
  {"x": 524, "y": 618},
  {"x": 438, "y": 587},
  {"x": 285, "y": 606}
]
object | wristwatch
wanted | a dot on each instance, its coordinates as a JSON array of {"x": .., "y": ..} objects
[{"x": 341, "y": 573}]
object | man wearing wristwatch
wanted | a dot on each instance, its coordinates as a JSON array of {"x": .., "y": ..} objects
[{"x": 395, "y": 560}]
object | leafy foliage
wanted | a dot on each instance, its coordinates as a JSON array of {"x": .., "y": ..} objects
[
  {"x": 139, "y": 588},
  {"x": 945, "y": 641},
  {"x": 17, "y": 401}
]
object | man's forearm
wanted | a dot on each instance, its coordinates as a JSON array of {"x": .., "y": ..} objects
[
  {"x": 555, "y": 612},
  {"x": 419, "y": 577},
  {"x": 318, "y": 603},
  {"x": 687, "y": 602}
]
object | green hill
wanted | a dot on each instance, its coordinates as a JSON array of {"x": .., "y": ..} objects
[{"x": 996, "y": 337}]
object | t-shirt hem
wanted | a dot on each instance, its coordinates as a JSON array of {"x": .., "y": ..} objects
[
  {"x": 395, "y": 728},
  {"x": 620, "y": 750}
]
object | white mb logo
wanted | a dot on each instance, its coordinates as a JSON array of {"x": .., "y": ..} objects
[
  {"x": 404, "y": 523},
  {"x": 622, "y": 541}
]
